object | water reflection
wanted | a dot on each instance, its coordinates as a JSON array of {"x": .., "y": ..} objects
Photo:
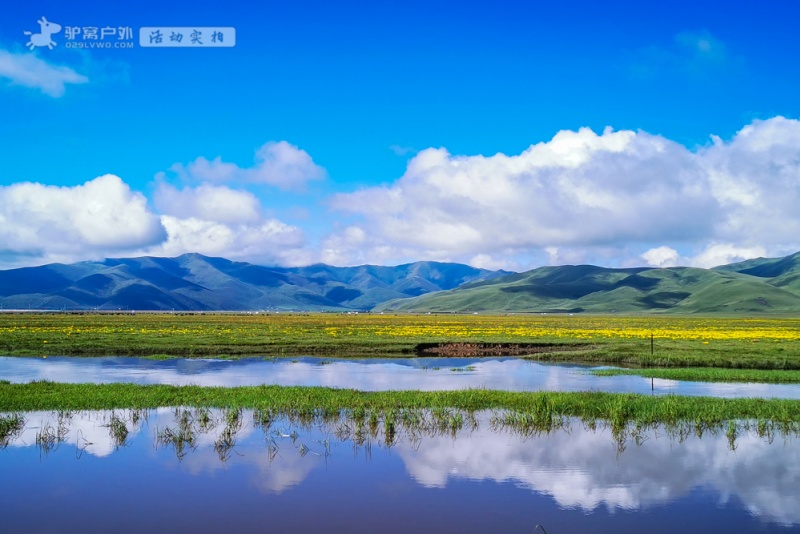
[
  {"x": 576, "y": 468},
  {"x": 428, "y": 374}
]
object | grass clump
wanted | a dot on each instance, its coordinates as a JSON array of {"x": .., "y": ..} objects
[{"x": 11, "y": 426}]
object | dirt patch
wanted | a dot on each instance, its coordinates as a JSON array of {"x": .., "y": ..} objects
[{"x": 494, "y": 349}]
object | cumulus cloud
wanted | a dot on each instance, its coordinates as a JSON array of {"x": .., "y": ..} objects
[
  {"x": 208, "y": 202},
  {"x": 279, "y": 164},
  {"x": 607, "y": 194},
  {"x": 661, "y": 257},
  {"x": 352, "y": 246},
  {"x": 28, "y": 70},
  {"x": 68, "y": 223},
  {"x": 221, "y": 221},
  {"x": 722, "y": 253},
  {"x": 266, "y": 241},
  {"x": 104, "y": 218},
  {"x": 227, "y": 220},
  {"x": 579, "y": 189},
  {"x": 611, "y": 198},
  {"x": 756, "y": 179}
]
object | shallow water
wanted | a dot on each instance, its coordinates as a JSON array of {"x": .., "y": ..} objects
[
  {"x": 510, "y": 374},
  {"x": 337, "y": 476}
]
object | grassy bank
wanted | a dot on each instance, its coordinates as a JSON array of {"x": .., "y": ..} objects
[
  {"x": 765, "y": 343},
  {"x": 617, "y": 408},
  {"x": 707, "y": 374}
]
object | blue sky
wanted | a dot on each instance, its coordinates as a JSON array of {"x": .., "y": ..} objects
[{"x": 355, "y": 132}]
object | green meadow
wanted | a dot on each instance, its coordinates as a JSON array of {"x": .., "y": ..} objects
[{"x": 638, "y": 341}]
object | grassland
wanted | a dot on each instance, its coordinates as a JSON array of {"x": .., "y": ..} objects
[{"x": 689, "y": 341}]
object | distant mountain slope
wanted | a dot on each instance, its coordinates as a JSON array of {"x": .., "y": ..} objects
[
  {"x": 765, "y": 267},
  {"x": 783, "y": 273},
  {"x": 586, "y": 288},
  {"x": 196, "y": 282}
]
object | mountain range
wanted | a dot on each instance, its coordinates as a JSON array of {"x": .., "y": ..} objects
[{"x": 196, "y": 282}]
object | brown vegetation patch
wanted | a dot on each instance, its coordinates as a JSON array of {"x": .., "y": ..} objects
[{"x": 494, "y": 349}]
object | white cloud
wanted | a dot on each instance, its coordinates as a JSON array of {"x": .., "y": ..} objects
[
  {"x": 722, "y": 253},
  {"x": 485, "y": 261},
  {"x": 616, "y": 196},
  {"x": 661, "y": 257},
  {"x": 208, "y": 202},
  {"x": 28, "y": 70},
  {"x": 580, "y": 189},
  {"x": 279, "y": 164},
  {"x": 228, "y": 221},
  {"x": 351, "y": 246},
  {"x": 756, "y": 179},
  {"x": 267, "y": 241},
  {"x": 202, "y": 169},
  {"x": 71, "y": 223},
  {"x": 221, "y": 221},
  {"x": 104, "y": 217},
  {"x": 285, "y": 166}
]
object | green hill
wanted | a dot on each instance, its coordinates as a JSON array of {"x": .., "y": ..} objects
[
  {"x": 783, "y": 273},
  {"x": 586, "y": 288}
]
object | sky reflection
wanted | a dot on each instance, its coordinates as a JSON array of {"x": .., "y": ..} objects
[
  {"x": 429, "y": 374},
  {"x": 576, "y": 468}
]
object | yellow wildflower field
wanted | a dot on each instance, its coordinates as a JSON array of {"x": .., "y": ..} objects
[{"x": 305, "y": 329}]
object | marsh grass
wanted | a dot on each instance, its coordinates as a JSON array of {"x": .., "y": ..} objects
[
  {"x": 732, "y": 432},
  {"x": 50, "y": 436},
  {"x": 11, "y": 426},
  {"x": 182, "y": 438},
  {"x": 226, "y": 441},
  {"x": 47, "y": 439},
  {"x": 118, "y": 431},
  {"x": 288, "y": 433},
  {"x": 205, "y": 421}
]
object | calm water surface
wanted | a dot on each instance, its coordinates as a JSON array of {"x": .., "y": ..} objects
[
  {"x": 79, "y": 473},
  {"x": 511, "y": 374}
]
